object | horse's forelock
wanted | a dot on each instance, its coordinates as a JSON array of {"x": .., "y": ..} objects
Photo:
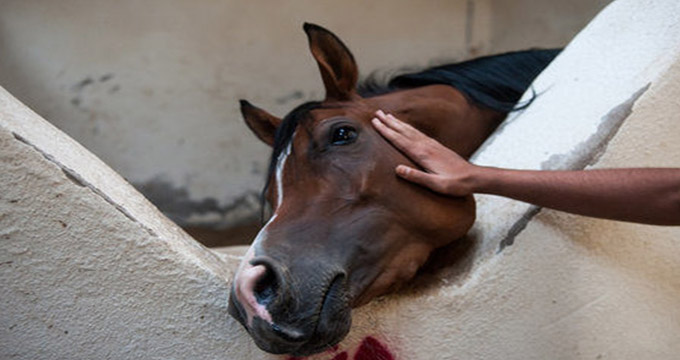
[{"x": 284, "y": 135}]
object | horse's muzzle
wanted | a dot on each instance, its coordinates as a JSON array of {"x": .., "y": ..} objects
[{"x": 285, "y": 317}]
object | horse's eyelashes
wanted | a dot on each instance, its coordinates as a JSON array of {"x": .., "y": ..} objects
[{"x": 343, "y": 135}]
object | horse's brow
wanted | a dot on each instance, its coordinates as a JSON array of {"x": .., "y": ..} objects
[{"x": 291, "y": 122}]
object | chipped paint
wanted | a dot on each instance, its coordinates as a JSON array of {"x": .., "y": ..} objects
[
  {"x": 589, "y": 151},
  {"x": 584, "y": 154}
]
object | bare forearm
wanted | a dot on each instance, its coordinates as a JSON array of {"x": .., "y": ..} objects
[
  {"x": 646, "y": 195},
  {"x": 642, "y": 195}
]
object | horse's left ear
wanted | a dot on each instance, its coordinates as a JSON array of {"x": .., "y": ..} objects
[
  {"x": 260, "y": 122},
  {"x": 336, "y": 63}
]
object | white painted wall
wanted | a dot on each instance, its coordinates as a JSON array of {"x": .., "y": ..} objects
[
  {"x": 90, "y": 269},
  {"x": 152, "y": 87}
]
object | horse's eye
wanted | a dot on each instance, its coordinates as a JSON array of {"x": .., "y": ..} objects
[{"x": 343, "y": 135}]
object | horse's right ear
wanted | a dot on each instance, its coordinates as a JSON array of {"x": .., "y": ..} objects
[
  {"x": 260, "y": 122},
  {"x": 336, "y": 63}
]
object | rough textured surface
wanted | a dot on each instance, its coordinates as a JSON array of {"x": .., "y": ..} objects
[
  {"x": 89, "y": 269},
  {"x": 152, "y": 88}
]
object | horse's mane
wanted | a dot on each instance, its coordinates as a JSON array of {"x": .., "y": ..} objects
[{"x": 494, "y": 82}]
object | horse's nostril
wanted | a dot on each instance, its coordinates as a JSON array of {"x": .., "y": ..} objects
[{"x": 267, "y": 286}]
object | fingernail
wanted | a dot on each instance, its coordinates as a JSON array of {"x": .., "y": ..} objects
[
  {"x": 375, "y": 121},
  {"x": 380, "y": 113}
]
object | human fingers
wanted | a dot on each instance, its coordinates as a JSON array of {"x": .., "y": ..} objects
[
  {"x": 396, "y": 138},
  {"x": 391, "y": 121},
  {"x": 431, "y": 181},
  {"x": 407, "y": 131},
  {"x": 405, "y": 128},
  {"x": 422, "y": 150}
]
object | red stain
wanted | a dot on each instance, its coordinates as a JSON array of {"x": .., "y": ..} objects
[
  {"x": 341, "y": 356},
  {"x": 369, "y": 349},
  {"x": 372, "y": 349}
]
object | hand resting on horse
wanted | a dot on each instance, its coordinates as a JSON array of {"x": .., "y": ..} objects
[{"x": 643, "y": 195}]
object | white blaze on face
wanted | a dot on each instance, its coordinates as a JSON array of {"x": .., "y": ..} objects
[{"x": 247, "y": 275}]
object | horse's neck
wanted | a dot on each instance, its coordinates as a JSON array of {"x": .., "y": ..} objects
[{"x": 444, "y": 113}]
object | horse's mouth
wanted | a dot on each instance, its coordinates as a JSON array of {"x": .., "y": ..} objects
[
  {"x": 332, "y": 320},
  {"x": 333, "y": 292}
]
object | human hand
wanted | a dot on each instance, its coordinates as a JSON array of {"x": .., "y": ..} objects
[{"x": 445, "y": 171}]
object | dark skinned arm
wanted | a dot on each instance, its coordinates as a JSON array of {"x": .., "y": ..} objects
[{"x": 642, "y": 195}]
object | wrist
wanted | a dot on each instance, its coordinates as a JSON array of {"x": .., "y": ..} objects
[{"x": 480, "y": 179}]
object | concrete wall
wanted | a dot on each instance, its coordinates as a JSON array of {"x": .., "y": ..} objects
[
  {"x": 152, "y": 87},
  {"x": 90, "y": 269},
  {"x": 523, "y": 24}
]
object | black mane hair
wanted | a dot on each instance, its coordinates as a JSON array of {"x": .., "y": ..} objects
[{"x": 494, "y": 82}]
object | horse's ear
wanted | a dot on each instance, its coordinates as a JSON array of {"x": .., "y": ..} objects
[
  {"x": 260, "y": 122},
  {"x": 336, "y": 63}
]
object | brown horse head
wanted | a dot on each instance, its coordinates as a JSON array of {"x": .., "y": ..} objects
[{"x": 345, "y": 228}]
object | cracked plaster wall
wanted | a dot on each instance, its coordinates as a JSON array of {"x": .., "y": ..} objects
[{"x": 152, "y": 87}]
